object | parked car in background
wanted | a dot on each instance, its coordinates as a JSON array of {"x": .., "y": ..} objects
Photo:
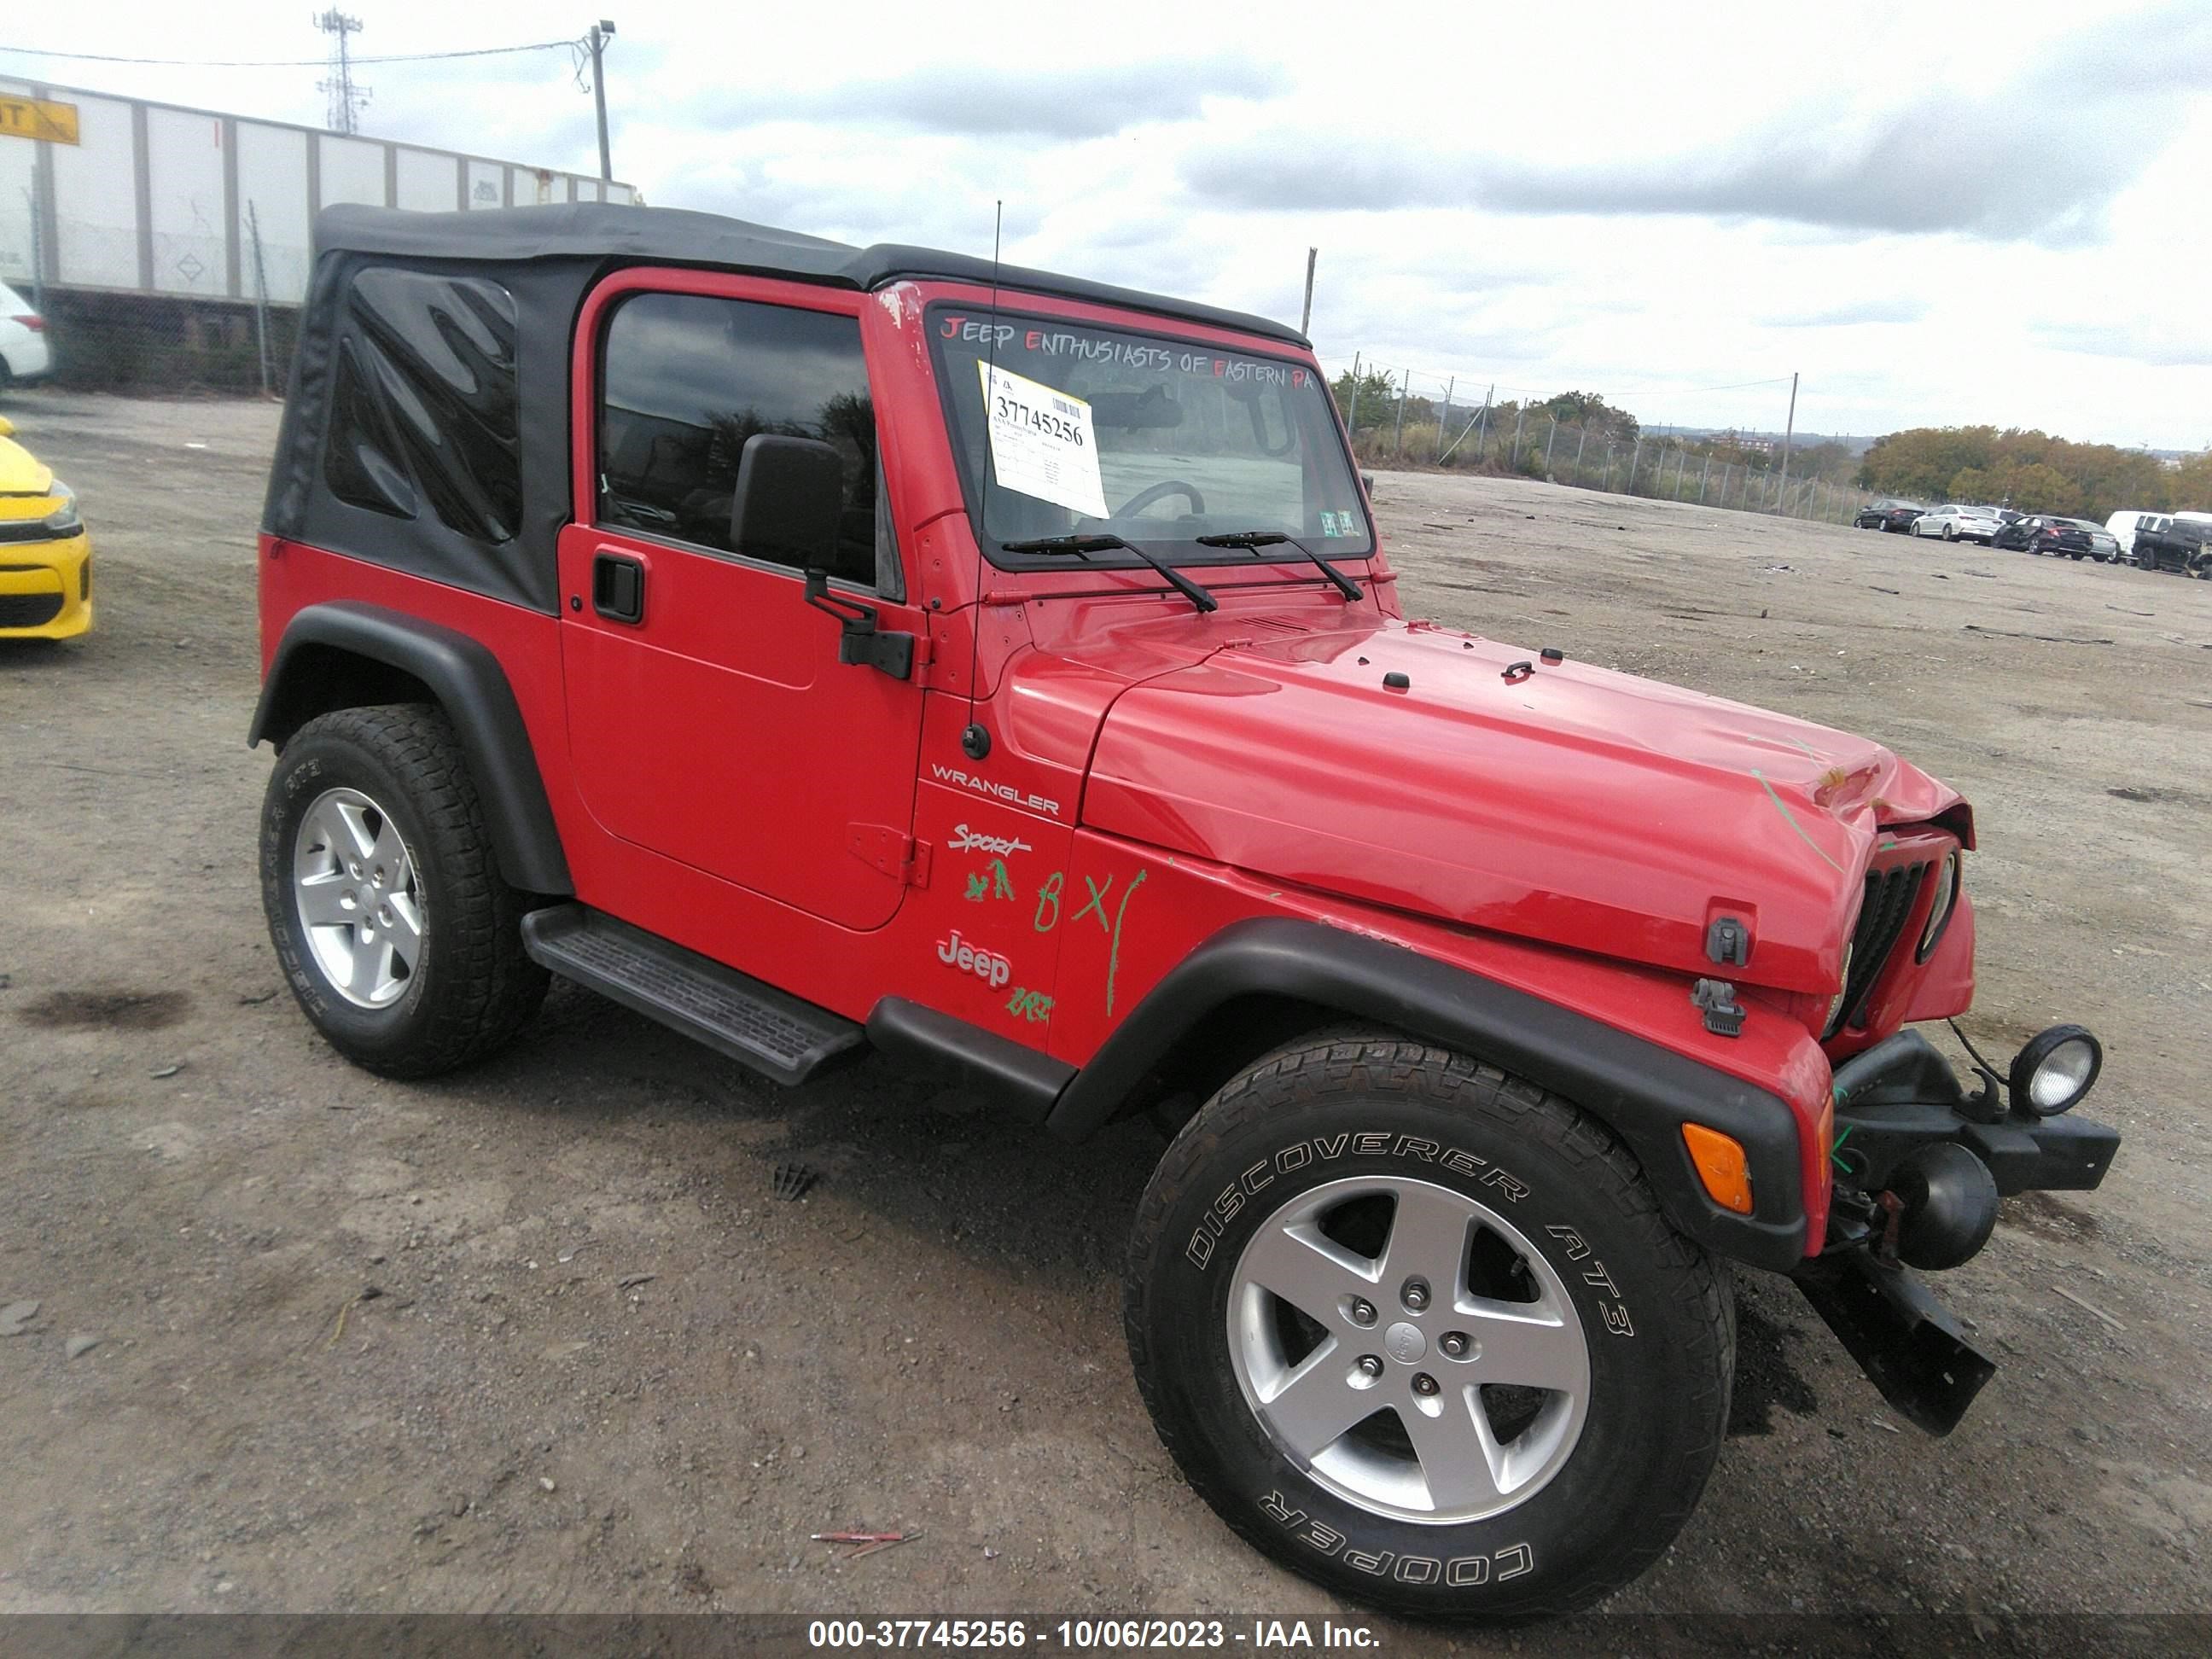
[
  {"x": 2104, "y": 546},
  {"x": 46, "y": 558},
  {"x": 2176, "y": 543},
  {"x": 1887, "y": 513},
  {"x": 2124, "y": 526},
  {"x": 1956, "y": 523},
  {"x": 24, "y": 353},
  {"x": 2017, "y": 535},
  {"x": 2072, "y": 538}
]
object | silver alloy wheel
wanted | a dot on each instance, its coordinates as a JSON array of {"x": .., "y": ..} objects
[
  {"x": 1403, "y": 1333},
  {"x": 354, "y": 886}
]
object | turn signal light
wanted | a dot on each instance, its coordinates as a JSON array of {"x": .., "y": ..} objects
[{"x": 1720, "y": 1166}]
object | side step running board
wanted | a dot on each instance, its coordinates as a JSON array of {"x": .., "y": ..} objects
[{"x": 777, "y": 1035}]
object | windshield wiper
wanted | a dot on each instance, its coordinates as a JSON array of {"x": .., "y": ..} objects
[
  {"x": 1103, "y": 543},
  {"x": 1259, "y": 538}
]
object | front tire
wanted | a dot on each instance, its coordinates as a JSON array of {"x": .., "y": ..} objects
[
  {"x": 1420, "y": 1331},
  {"x": 396, "y": 932}
]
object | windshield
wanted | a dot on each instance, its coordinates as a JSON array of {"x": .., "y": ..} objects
[{"x": 1094, "y": 430}]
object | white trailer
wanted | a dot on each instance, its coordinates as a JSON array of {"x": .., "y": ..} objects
[{"x": 123, "y": 195}]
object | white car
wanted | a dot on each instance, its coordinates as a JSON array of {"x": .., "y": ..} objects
[
  {"x": 24, "y": 353},
  {"x": 1956, "y": 523}
]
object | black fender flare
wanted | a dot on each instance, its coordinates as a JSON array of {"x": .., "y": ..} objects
[
  {"x": 467, "y": 684},
  {"x": 1642, "y": 1092}
]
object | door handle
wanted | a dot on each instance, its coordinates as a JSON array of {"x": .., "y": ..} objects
[{"x": 618, "y": 588}]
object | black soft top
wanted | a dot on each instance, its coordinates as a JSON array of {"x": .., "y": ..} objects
[
  {"x": 427, "y": 423},
  {"x": 613, "y": 232}
]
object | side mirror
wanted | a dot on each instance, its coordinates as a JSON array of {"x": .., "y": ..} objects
[{"x": 789, "y": 501}]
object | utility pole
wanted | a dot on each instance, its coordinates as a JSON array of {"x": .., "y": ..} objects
[
  {"x": 1444, "y": 419},
  {"x": 1306, "y": 316},
  {"x": 346, "y": 99},
  {"x": 602, "y": 32},
  {"x": 1788, "y": 428}
]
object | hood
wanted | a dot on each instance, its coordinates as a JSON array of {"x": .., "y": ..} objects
[
  {"x": 1573, "y": 804},
  {"x": 23, "y": 475}
]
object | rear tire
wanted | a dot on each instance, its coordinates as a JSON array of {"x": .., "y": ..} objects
[
  {"x": 1328, "y": 1422},
  {"x": 394, "y": 928}
]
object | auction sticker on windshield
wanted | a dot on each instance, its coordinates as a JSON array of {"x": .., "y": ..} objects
[{"x": 1041, "y": 442}]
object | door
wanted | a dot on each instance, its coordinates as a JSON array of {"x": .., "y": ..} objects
[{"x": 709, "y": 717}]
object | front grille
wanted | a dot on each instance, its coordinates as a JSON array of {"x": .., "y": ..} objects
[
  {"x": 28, "y": 610},
  {"x": 1890, "y": 895}
]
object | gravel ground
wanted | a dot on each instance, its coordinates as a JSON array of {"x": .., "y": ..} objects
[{"x": 541, "y": 1338}]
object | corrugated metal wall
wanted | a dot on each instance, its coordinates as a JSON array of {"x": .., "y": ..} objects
[{"x": 157, "y": 199}]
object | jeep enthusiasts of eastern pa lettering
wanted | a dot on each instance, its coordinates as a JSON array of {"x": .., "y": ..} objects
[{"x": 813, "y": 648}]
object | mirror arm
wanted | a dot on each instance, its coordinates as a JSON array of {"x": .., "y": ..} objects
[{"x": 858, "y": 640}]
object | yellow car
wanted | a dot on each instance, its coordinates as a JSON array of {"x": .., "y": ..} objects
[{"x": 46, "y": 558}]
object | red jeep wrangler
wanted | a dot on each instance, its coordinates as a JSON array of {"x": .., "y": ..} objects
[{"x": 813, "y": 648}]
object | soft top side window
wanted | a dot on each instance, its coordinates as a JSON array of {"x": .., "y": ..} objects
[
  {"x": 687, "y": 380},
  {"x": 424, "y": 405}
]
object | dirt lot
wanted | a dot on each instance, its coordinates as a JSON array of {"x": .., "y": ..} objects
[{"x": 604, "y": 1369}]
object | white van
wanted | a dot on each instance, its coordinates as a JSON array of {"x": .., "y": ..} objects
[{"x": 2124, "y": 526}]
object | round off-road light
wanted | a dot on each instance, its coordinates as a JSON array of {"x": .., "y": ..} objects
[
  {"x": 1939, "y": 913},
  {"x": 2056, "y": 1069}
]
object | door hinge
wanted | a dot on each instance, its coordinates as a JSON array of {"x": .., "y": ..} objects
[{"x": 892, "y": 851}]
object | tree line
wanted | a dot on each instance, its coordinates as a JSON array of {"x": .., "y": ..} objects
[
  {"x": 1371, "y": 403},
  {"x": 2031, "y": 470},
  {"x": 2016, "y": 466}
]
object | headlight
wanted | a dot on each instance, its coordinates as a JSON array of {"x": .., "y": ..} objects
[
  {"x": 2056, "y": 1069},
  {"x": 1939, "y": 913},
  {"x": 1836, "y": 1007},
  {"x": 64, "y": 519}
]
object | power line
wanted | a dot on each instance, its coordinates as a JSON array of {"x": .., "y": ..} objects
[{"x": 287, "y": 63}]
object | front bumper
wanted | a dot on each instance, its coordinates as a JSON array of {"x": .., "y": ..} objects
[
  {"x": 1901, "y": 1095},
  {"x": 46, "y": 587},
  {"x": 1894, "y": 1102}
]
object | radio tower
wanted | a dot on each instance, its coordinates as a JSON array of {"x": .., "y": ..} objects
[{"x": 347, "y": 100}]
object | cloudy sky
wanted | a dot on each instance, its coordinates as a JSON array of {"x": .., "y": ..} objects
[{"x": 1937, "y": 213}]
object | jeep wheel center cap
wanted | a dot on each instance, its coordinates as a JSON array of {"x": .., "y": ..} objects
[{"x": 1404, "y": 1342}]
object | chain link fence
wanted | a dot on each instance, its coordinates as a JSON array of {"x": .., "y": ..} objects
[
  {"x": 197, "y": 339},
  {"x": 1408, "y": 429}
]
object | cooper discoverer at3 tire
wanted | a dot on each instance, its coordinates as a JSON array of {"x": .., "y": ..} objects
[
  {"x": 397, "y": 935},
  {"x": 1419, "y": 1330}
]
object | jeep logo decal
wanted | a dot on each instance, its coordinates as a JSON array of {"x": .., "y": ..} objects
[{"x": 986, "y": 964}]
